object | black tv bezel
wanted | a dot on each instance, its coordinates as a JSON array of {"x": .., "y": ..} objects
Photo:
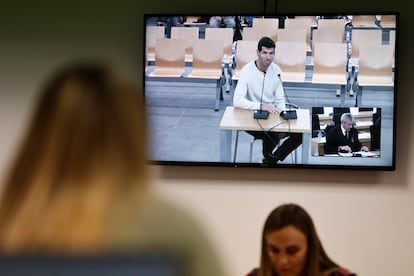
[{"x": 385, "y": 167}]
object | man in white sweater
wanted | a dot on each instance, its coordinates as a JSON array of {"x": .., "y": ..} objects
[{"x": 260, "y": 87}]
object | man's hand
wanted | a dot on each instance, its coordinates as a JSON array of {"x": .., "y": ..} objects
[
  {"x": 271, "y": 108},
  {"x": 364, "y": 148},
  {"x": 345, "y": 148}
]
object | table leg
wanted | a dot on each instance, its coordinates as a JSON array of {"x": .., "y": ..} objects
[
  {"x": 306, "y": 139},
  {"x": 218, "y": 95},
  {"x": 225, "y": 145}
]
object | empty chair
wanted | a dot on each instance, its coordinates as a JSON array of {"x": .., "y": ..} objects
[
  {"x": 152, "y": 33},
  {"x": 388, "y": 21},
  {"x": 291, "y": 58},
  {"x": 375, "y": 66},
  {"x": 364, "y": 38},
  {"x": 305, "y": 23},
  {"x": 327, "y": 36},
  {"x": 169, "y": 58},
  {"x": 262, "y": 22},
  {"x": 262, "y": 27},
  {"x": 335, "y": 25},
  {"x": 292, "y": 35},
  {"x": 207, "y": 57},
  {"x": 330, "y": 64},
  {"x": 224, "y": 34},
  {"x": 253, "y": 34},
  {"x": 257, "y": 33},
  {"x": 364, "y": 21},
  {"x": 312, "y": 18},
  {"x": 189, "y": 34}
]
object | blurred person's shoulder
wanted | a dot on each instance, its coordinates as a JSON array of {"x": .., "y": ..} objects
[
  {"x": 158, "y": 224},
  {"x": 153, "y": 220}
]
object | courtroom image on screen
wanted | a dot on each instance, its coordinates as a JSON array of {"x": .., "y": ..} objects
[
  {"x": 330, "y": 65},
  {"x": 346, "y": 131}
]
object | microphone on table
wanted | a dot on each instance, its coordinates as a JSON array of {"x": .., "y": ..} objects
[
  {"x": 289, "y": 113},
  {"x": 260, "y": 113}
]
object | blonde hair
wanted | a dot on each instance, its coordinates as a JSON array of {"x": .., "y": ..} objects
[{"x": 85, "y": 149}]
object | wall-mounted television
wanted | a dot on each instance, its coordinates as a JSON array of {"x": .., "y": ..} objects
[{"x": 330, "y": 65}]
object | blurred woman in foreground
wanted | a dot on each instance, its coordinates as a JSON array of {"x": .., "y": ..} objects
[{"x": 80, "y": 184}]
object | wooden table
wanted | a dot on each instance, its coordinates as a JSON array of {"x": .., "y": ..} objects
[{"x": 241, "y": 119}]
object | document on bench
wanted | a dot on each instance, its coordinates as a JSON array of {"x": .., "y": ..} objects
[{"x": 359, "y": 154}]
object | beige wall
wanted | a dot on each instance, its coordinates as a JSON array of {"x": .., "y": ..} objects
[{"x": 365, "y": 218}]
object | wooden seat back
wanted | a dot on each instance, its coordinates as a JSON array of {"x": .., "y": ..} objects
[
  {"x": 312, "y": 18},
  {"x": 255, "y": 34},
  {"x": 361, "y": 37},
  {"x": 330, "y": 63},
  {"x": 207, "y": 57},
  {"x": 363, "y": 21},
  {"x": 335, "y": 25},
  {"x": 302, "y": 23},
  {"x": 152, "y": 34},
  {"x": 169, "y": 57},
  {"x": 189, "y": 35},
  {"x": 291, "y": 58},
  {"x": 262, "y": 27},
  {"x": 292, "y": 35},
  {"x": 262, "y": 22},
  {"x": 375, "y": 65},
  {"x": 327, "y": 36},
  {"x": 224, "y": 34},
  {"x": 388, "y": 21}
]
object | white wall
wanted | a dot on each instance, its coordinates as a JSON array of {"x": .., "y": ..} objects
[
  {"x": 365, "y": 226},
  {"x": 364, "y": 218}
]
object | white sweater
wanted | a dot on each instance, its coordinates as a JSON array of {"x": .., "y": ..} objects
[{"x": 252, "y": 82}]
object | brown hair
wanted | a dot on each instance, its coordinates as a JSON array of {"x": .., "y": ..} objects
[
  {"x": 84, "y": 148},
  {"x": 294, "y": 215}
]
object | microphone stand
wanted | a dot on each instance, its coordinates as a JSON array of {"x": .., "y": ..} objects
[
  {"x": 287, "y": 114},
  {"x": 261, "y": 114}
]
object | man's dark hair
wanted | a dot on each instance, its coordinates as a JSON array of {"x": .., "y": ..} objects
[{"x": 265, "y": 42}]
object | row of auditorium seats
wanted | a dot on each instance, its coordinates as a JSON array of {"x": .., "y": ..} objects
[
  {"x": 297, "y": 29},
  {"x": 353, "y": 59},
  {"x": 189, "y": 34},
  {"x": 207, "y": 55}
]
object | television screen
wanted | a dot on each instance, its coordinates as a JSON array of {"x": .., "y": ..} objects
[{"x": 337, "y": 74}]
